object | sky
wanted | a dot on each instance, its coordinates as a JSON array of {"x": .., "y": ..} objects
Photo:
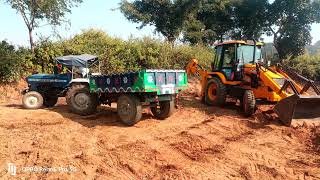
[{"x": 100, "y": 14}]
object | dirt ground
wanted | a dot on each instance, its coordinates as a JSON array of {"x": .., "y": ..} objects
[{"x": 197, "y": 142}]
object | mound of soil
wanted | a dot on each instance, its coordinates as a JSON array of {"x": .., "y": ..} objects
[{"x": 12, "y": 92}]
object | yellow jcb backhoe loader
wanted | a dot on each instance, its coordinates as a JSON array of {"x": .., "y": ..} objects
[{"x": 238, "y": 72}]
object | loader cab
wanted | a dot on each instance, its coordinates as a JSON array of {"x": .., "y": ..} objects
[{"x": 232, "y": 56}]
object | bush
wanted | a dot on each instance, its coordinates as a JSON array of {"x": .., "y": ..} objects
[
  {"x": 11, "y": 65},
  {"x": 306, "y": 65},
  {"x": 116, "y": 55}
]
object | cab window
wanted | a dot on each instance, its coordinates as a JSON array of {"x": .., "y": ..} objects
[
  {"x": 229, "y": 56},
  {"x": 217, "y": 60}
]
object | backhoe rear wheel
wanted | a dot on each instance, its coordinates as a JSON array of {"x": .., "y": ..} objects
[
  {"x": 248, "y": 103},
  {"x": 216, "y": 92}
]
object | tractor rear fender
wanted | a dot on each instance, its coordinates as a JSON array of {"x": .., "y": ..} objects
[{"x": 80, "y": 80}]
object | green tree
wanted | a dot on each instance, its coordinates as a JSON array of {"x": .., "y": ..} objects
[
  {"x": 250, "y": 17},
  {"x": 237, "y": 19},
  {"x": 34, "y": 12},
  {"x": 194, "y": 31},
  {"x": 289, "y": 22},
  {"x": 167, "y": 16},
  {"x": 218, "y": 17}
]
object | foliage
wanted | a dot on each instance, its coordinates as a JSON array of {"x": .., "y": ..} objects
[
  {"x": 250, "y": 17},
  {"x": 34, "y": 12},
  {"x": 306, "y": 65},
  {"x": 216, "y": 20},
  {"x": 217, "y": 16},
  {"x": 12, "y": 63},
  {"x": 290, "y": 24},
  {"x": 167, "y": 16},
  {"x": 116, "y": 55}
]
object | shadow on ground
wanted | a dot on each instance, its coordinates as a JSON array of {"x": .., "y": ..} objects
[
  {"x": 263, "y": 117},
  {"x": 107, "y": 116}
]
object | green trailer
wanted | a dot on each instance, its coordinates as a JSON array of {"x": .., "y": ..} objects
[{"x": 132, "y": 91}]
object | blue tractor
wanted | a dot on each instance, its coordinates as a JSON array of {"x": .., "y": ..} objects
[{"x": 45, "y": 89}]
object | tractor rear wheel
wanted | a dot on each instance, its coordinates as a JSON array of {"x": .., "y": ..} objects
[
  {"x": 248, "y": 103},
  {"x": 32, "y": 100},
  {"x": 216, "y": 92},
  {"x": 164, "y": 110},
  {"x": 50, "y": 101},
  {"x": 81, "y": 101},
  {"x": 129, "y": 109}
]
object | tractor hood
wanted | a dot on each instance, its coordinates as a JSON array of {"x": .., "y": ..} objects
[{"x": 62, "y": 78}]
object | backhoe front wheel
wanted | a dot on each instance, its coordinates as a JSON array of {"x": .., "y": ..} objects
[
  {"x": 216, "y": 92},
  {"x": 129, "y": 109},
  {"x": 248, "y": 103}
]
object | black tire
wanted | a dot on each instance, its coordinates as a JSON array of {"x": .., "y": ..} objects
[
  {"x": 220, "y": 93},
  {"x": 129, "y": 109},
  {"x": 32, "y": 100},
  {"x": 81, "y": 101},
  {"x": 50, "y": 101},
  {"x": 248, "y": 103},
  {"x": 164, "y": 110}
]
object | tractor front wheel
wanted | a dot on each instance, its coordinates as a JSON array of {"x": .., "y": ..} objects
[
  {"x": 81, "y": 101},
  {"x": 248, "y": 103},
  {"x": 216, "y": 92},
  {"x": 32, "y": 100}
]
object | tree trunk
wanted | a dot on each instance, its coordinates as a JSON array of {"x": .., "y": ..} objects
[{"x": 31, "y": 40}]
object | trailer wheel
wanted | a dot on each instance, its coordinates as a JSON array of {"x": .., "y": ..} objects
[
  {"x": 248, "y": 103},
  {"x": 216, "y": 93},
  {"x": 129, "y": 109},
  {"x": 50, "y": 101},
  {"x": 32, "y": 100},
  {"x": 81, "y": 101},
  {"x": 164, "y": 110}
]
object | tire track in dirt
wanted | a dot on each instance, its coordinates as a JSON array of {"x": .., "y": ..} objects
[{"x": 197, "y": 142}]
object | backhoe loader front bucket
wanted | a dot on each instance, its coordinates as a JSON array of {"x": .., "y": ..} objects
[{"x": 298, "y": 107}]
